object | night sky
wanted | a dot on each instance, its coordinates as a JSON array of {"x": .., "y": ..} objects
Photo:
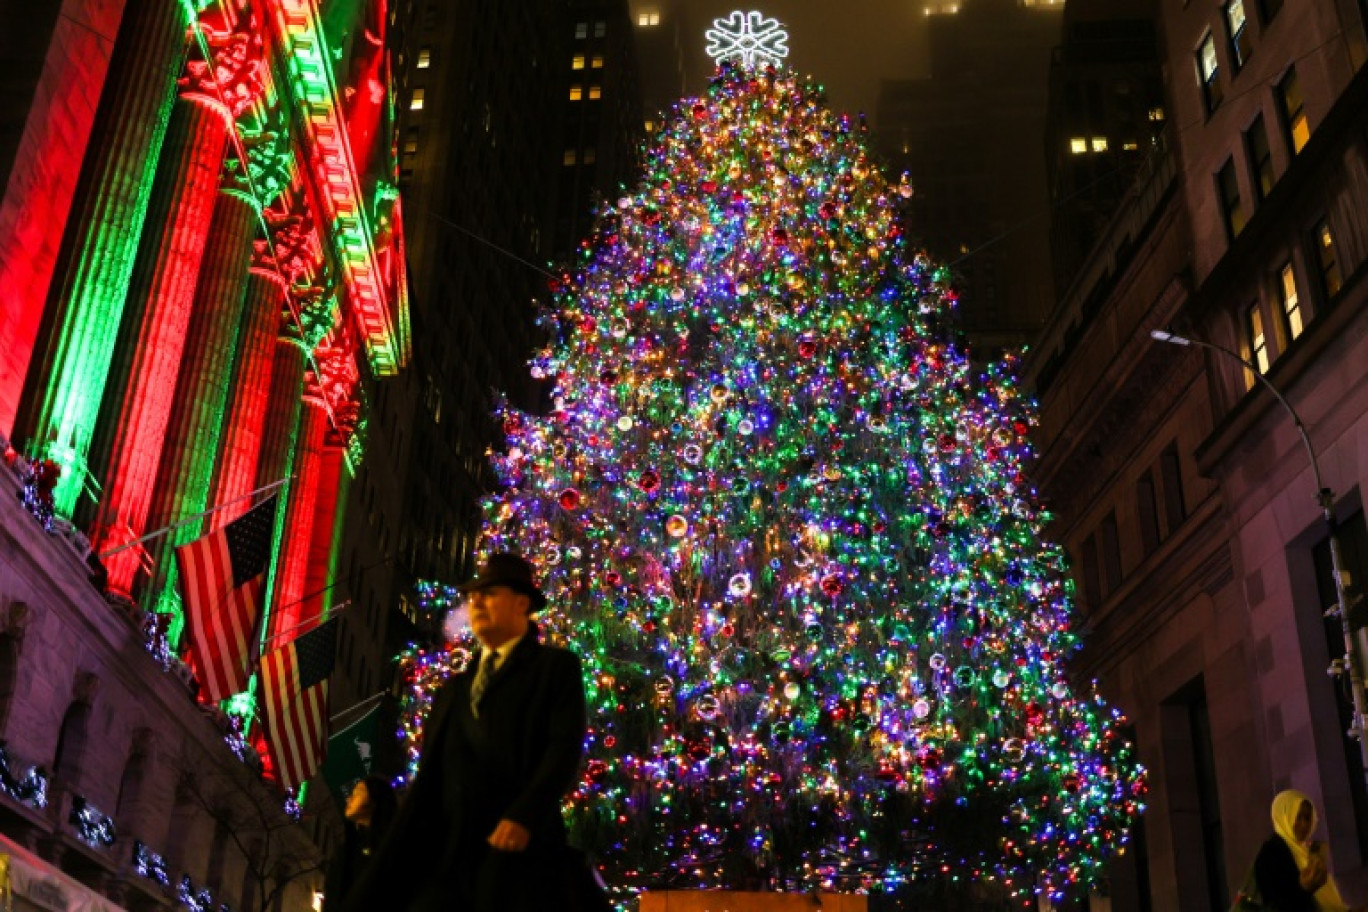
[{"x": 846, "y": 46}]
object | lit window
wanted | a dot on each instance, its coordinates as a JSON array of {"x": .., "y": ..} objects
[
  {"x": 424, "y": 58},
  {"x": 1099, "y": 144},
  {"x": 595, "y": 93},
  {"x": 646, "y": 20},
  {"x": 410, "y": 146},
  {"x": 1228, "y": 190},
  {"x": 1258, "y": 342},
  {"x": 1325, "y": 257},
  {"x": 600, "y": 29},
  {"x": 416, "y": 102},
  {"x": 1209, "y": 70},
  {"x": 1294, "y": 112},
  {"x": 650, "y": 126},
  {"x": 576, "y": 92},
  {"x": 577, "y": 62},
  {"x": 596, "y": 62},
  {"x": 1240, "y": 42},
  {"x": 1078, "y": 145},
  {"x": 1291, "y": 304},
  {"x": 571, "y": 157},
  {"x": 1130, "y": 146},
  {"x": 1260, "y": 156},
  {"x": 588, "y": 158},
  {"x": 1156, "y": 115},
  {"x": 581, "y": 30}
]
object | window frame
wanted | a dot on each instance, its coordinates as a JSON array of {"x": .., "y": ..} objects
[
  {"x": 1329, "y": 273},
  {"x": 1233, "y": 216},
  {"x": 1296, "y": 126},
  {"x": 1290, "y": 312},
  {"x": 1212, "y": 93},
  {"x": 1240, "y": 39},
  {"x": 1256, "y": 337},
  {"x": 1261, "y": 165}
]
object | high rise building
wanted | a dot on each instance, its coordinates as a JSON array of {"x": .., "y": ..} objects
[
  {"x": 1183, "y": 486},
  {"x": 1104, "y": 120},
  {"x": 971, "y": 136}
]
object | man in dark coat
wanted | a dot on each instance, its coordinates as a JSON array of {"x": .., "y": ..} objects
[{"x": 480, "y": 829}]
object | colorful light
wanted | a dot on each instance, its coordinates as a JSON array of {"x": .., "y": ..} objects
[{"x": 825, "y": 646}]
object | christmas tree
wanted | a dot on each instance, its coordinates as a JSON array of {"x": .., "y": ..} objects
[{"x": 785, "y": 522}]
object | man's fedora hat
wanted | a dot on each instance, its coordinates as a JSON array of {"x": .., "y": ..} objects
[{"x": 511, "y": 570}]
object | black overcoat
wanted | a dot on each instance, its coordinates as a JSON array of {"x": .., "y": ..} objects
[{"x": 516, "y": 761}]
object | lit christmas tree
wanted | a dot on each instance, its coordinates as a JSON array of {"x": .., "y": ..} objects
[{"x": 784, "y": 521}]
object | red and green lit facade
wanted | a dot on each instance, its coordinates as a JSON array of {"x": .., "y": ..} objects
[{"x": 191, "y": 317}]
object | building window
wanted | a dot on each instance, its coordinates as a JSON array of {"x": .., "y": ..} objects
[
  {"x": 650, "y": 126},
  {"x": 1092, "y": 579},
  {"x": 595, "y": 93},
  {"x": 1240, "y": 42},
  {"x": 1148, "y": 510},
  {"x": 410, "y": 146},
  {"x": 416, "y": 101},
  {"x": 1099, "y": 144},
  {"x": 1210, "y": 72},
  {"x": 1256, "y": 338},
  {"x": 571, "y": 157},
  {"x": 424, "y": 58},
  {"x": 1109, "y": 544},
  {"x": 596, "y": 62},
  {"x": 1228, "y": 192},
  {"x": 577, "y": 62},
  {"x": 589, "y": 157},
  {"x": 1293, "y": 112},
  {"x": 1260, "y": 156},
  {"x": 581, "y": 30},
  {"x": 647, "y": 20},
  {"x": 1156, "y": 115},
  {"x": 1171, "y": 476},
  {"x": 1326, "y": 261},
  {"x": 1078, "y": 145},
  {"x": 71, "y": 744},
  {"x": 600, "y": 29},
  {"x": 1291, "y": 304},
  {"x": 576, "y": 92}
]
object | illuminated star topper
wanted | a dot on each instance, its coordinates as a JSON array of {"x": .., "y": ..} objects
[{"x": 748, "y": 39}]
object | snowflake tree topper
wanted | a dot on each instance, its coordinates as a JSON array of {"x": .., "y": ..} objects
[{"x": 748, "y": 39}]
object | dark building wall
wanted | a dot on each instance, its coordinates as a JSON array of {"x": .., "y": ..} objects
[{"x": 1181, "y": 487}]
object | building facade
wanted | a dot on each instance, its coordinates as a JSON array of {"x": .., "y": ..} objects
[
  {"x": 1182, "y": 487},
  {"x": 202, "y": 287}
]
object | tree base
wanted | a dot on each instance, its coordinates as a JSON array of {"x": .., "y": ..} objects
[{"x": 734, "y": 901}]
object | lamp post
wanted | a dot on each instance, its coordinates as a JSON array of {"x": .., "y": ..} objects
[{"x": 1355, "y": 639}]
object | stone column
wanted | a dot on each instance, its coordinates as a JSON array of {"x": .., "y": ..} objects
[
  {"x": 197, "y": 411},
  {"x": 73, "y": 344},
  {"x": 142, "y": 377},
  {"x": 244, "y": 423},
  {"x": 142, "y": 381},
  {"x": 296, "y": 541}
]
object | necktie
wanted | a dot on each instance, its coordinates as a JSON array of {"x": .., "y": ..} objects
[{"x": 482, "y": 676}]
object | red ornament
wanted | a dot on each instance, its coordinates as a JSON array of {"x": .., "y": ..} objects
[
  {"x": 569, "y": 499},
  {"x": 610, "y": 742},
  {"x": 649, "y": 481},
  {"x": 832, "y": 585},
  {"x": 708, "y": 186},
  {"x": 513, "y": 424},
  {"x": 807, "y": 347}
]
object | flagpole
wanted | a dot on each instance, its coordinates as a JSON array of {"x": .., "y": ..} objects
[
  {"x": 373, "y": 698},
  {"x": 189, "y": 519},
  {"x": 308, "y": 620}
]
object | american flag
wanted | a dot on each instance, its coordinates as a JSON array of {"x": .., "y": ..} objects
[
  {"x": 294, "y": 687},
  {"x": 222, "y": 576}
]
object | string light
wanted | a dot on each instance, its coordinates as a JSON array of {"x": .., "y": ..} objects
[{"x": 784, "y": 520}]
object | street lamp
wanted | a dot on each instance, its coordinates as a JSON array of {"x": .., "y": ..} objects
[{"x": 1355, "y": 640}]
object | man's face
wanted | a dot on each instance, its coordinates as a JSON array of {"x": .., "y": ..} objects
[{"x": 498, "y": 614}]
